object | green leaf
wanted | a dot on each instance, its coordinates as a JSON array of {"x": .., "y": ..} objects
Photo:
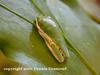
[{"x": 21, "y": 43}]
